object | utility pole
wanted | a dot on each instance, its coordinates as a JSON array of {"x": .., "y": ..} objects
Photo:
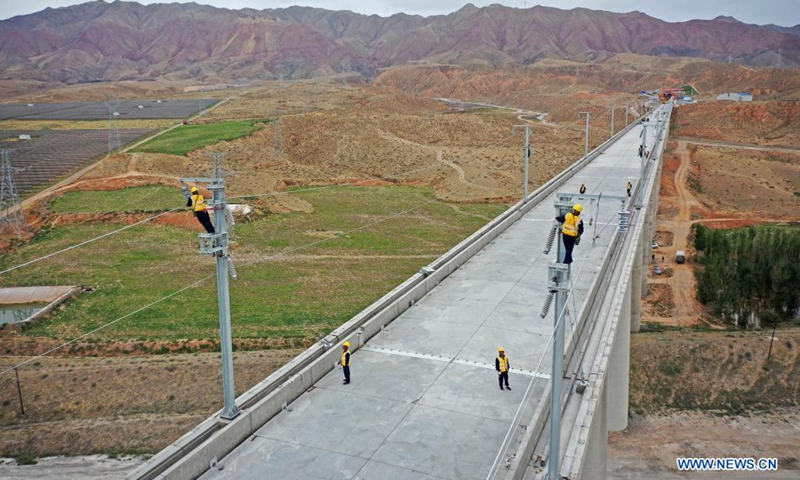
[
  {"x": 558, "y": 280},
  {"x": 644, "y": 150},
  {"x": 216, "y": 245},
  {"x": 613, "y": 107},
  {"x": 19, "y": 391},
  {"x": 586, "y": 141},
  {"x": 527, "y": 157},
  {"x": 114, "y": 140},
  {"x": 13, "y": 219},
  {"x": 278, "y": 138},
  {"x": 626, "y": 114}
]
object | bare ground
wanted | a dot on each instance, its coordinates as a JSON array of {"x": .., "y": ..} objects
[
  {"x": 125, "y": 404},
  {"x": 651, "y": 443}
]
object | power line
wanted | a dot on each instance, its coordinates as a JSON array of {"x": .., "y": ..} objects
[
  {"x": 198, "y": 282},
  {"x": 91, "y": 240},
  {"x": 114, "y": 232},
  {"x": 114, "y": 140},
  {"x": 12, "y": 217}
]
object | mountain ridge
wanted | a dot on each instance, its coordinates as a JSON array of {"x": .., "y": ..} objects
[{"x": 126, "y": 40}]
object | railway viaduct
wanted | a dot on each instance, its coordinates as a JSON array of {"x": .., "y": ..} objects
[{"x": 424, "y": 402}]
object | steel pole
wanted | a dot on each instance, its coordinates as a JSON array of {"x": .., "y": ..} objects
[
  {"x": 586, "y": 141},
  {"x": 613, "y": 107},
  {"x": 626, "y": 114},
  {"x": 527, "y": 159},
  {"x": 644, "y": 151},
  {"x": 556, "y": 376},
  {"x": 230, "y": 410}
]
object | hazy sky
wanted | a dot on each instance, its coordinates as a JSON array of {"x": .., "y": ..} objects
[{"x": 779, "y": 12}]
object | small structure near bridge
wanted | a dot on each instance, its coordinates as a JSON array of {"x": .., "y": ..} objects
[{"x": 736, "y": 97}]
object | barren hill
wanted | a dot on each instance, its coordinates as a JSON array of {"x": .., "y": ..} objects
[{"x": 125, "y": 40}]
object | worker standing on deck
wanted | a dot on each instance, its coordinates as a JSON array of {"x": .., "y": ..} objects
[
  {"x": 583, "y": 188},
  {"x": 571, "y": 229},
  {"x": 198, "y": 205},
  {"x": 630, "y": 186},
  {"x": 502, "y": 366},
  {"x": 345, "y": 362}
]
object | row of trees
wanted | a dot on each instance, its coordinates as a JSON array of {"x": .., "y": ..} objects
[{"x": 750, "y": 275}]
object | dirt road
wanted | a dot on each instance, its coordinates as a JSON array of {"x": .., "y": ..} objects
[
  {"x": 738, "y": 146},
  {"x": 462, "y": 178},
  {"x": 686, "y": 309}
]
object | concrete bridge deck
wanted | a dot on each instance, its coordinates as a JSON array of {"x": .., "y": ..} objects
[{"x": 424, "y": 402}]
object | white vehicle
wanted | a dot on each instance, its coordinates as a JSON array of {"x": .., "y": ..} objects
[{"x": 680, "y": 256}]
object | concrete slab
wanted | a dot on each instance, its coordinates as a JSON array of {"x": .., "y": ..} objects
[
  {"x": 462, "y": 310},
  {"x": 262, "y": 458},
  {"x": 337, "y": 422},
  {"x": 523, "y": 349},
  {"x": 444, "y": 444},
  {"x": 383, "y": 471},
  {"x": 521, "y": 318},
  {"x": 475, "y": 391},
  {"x": 385, "y": 376},
  {"x": 425, "y": 336},
  {"x": 23, "y": 295}
]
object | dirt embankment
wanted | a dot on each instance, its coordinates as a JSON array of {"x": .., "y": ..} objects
[
  {"x": 709, "y": 394},
  {"x": 762, "y": 123},
  {"x": 719, "y": 371},
  {"x": 127, "y": 404}
]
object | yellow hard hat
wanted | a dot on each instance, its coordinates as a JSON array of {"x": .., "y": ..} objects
[
  {"x": 578, "y": 207},
  {"x": 194, "y": 190},
  {"x": 346, "y": 344},
  {"x": 501, "y": 349}
]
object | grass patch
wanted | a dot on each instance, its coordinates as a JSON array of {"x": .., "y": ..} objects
[
  {"x": 25, "y": 460},
  {"x": 148, "y": 198},
  {"x": 313, "y": 290},
  {"x": 186, "y": 138}
]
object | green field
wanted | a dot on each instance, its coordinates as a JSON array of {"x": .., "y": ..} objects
[
  {"x": 186, "y": 138},
  {"x": 314, "y": 290},
  {"x": 148, "y": 198}
]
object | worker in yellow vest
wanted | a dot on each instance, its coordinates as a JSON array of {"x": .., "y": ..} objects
[
  {"x": 571, "y": 229},
  {"x": 502, "y": 366},
  {"x": 345, "y": 362},
  {"x": 629, "y": 187},
  {"x": 198, "y": 205}
]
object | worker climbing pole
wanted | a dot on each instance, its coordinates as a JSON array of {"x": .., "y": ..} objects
[
  {"x": 215, "y": 244},
  {"x": 196, "y": 201}
]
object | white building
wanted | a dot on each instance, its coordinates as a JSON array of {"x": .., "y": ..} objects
[{"x": 736, "y": 97}]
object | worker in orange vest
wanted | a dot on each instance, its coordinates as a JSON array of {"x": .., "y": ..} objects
[
  {"x": 502, "y": 366},
  {"x": 571, "y": 229},
  {"x": 198, "y": 205},
  {"x": 345, "y": 362}
]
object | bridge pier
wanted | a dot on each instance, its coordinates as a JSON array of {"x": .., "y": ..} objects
[
  {"x": 597, "y": 442},
  {"x": 619, "y": 367}
]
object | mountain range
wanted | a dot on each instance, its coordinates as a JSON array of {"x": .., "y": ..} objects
[{"x": 101, "y": 41}]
